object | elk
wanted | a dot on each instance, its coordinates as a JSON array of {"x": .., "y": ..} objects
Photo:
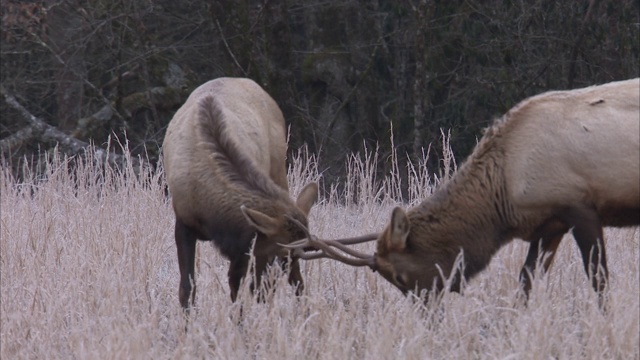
[
  {"x": 557, "y": 162},
  {"x": 224, "y": 156}
]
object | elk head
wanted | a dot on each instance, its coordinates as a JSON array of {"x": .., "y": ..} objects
[
  {"x": 400, "y": 261},
  {"x": 413, "y": 263},
  {"x": 291, "y": 225}
]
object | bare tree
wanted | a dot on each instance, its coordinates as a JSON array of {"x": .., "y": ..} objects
[{"x": 345, "y": 73}]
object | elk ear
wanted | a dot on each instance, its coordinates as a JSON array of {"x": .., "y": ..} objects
[
  {"x": 260, "y": 221},
  {"x": 398, "y": 230},
  {"x": 307, "y": 197}
]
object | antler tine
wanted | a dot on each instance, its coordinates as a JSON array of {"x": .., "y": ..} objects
[
  {"x": 327, "y": 251},
  {"x": 325, "y": 246},
  {"x": 358, "y": 239},
  {"x": 310, "y": 255},
  {"x": 340, "y": 246}
]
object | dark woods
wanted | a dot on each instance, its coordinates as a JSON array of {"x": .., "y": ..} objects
[{"x": 347, "y": 74}]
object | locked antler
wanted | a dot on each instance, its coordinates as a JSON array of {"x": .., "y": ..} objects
[{"x": 326, "y": 248}]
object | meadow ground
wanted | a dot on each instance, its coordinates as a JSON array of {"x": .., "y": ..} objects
[{"x": 89, "y": 271}]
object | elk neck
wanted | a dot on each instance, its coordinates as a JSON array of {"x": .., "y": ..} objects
[{"x": 471, "y": 212}]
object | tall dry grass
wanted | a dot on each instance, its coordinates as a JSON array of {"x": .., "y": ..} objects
[{"x": 88, "y": 271}]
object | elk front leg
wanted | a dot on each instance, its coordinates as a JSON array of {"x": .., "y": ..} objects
[
  {"x": 237, "y": 271},
  {"x": 587, "y": 230},
  {"x": 547, "y": 238},
  {"x": 291, "y": 266},
  {"x": 295, "y": 276},
  {"x": 548, "y": 247},
  {"x": 186, "y": 246},
  {"x": 260, "y": 269}
]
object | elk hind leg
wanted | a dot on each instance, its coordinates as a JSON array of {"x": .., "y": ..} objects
[{"x": 186, "y": 245}]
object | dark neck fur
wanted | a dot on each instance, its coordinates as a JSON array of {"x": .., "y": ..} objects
[{"x": 469, "y": 212}]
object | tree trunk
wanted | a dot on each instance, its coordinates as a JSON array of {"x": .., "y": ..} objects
[
  {"x": 65, "y": 39},
  {"x": 420, "y": 80}
]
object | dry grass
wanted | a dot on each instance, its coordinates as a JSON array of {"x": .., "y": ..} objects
[{"x": 89, "y": 270}]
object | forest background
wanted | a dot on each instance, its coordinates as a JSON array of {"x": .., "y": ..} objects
[{"x": 347, "y": 74}]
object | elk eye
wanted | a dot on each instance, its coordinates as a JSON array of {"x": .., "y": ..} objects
[{"x": 400, "y": 280}]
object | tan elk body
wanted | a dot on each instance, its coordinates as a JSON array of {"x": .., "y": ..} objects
[
  {"x": 224, "y": 156},
  {"x": 559, "y": 161}
]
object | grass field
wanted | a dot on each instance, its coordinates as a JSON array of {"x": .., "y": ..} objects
[{"x": 89, "y": 271}]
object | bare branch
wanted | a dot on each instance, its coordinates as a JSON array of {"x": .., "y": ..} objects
[
  {"x": 84, "y": 80},
  {"x": 160, "y": 97},
  {"x": 18, "y": 139},
  {"x": 44, "y": 132}
]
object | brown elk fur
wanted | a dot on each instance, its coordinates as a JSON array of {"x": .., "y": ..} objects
[
  {"x": 224, "y": 157},
  {"x": 559, "y": 161}
]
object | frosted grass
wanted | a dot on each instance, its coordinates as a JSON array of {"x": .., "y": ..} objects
[{"x": 88, "y": 270}]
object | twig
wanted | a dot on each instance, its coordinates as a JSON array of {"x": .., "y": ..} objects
[
  {"x": 576, "y": 46},
  {"x": 84, "y": 80},
  {"x": 224, "y": 40}
]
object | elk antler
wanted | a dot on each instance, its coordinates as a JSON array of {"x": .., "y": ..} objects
[
  {"x": 358, "y": 239},
  {"x": 326, "y": 250}
]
